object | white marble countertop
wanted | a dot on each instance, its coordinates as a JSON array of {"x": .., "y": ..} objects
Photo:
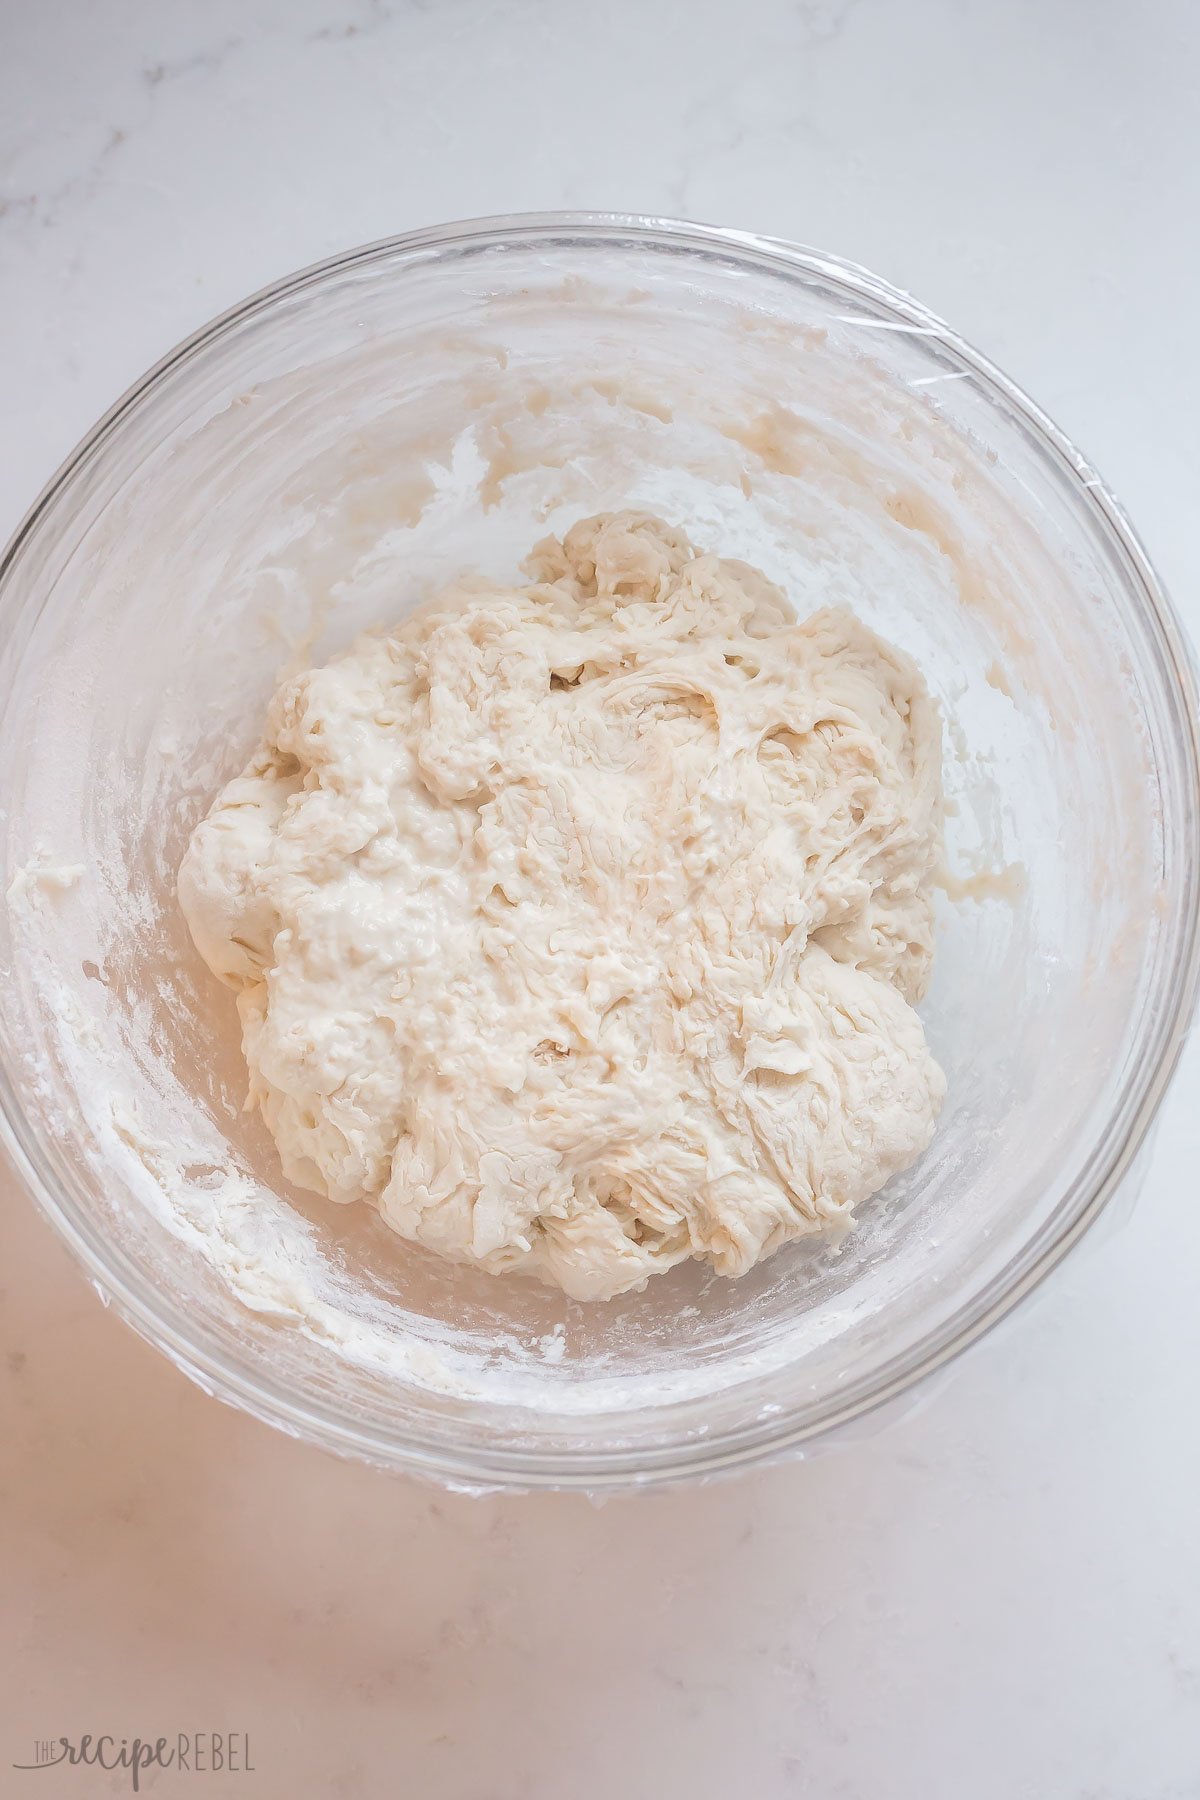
[{"x": 1000, "y": 1598}]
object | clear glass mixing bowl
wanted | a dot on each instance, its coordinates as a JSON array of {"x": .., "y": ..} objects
[{"x": 313, "y": 463}]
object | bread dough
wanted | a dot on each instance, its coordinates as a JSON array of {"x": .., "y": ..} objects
[{"x": 579, "y": 926}]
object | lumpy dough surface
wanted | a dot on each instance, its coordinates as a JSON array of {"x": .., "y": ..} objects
[{"x": 578, "y": 926}]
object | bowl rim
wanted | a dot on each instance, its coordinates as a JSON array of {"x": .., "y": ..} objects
[{"x": 1118, "y": 1142}]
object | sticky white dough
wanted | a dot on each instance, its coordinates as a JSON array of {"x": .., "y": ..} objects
[{"x": 579, "y": 926}]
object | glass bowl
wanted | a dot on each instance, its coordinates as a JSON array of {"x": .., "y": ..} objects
[{"x": 313, "y": 463}]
